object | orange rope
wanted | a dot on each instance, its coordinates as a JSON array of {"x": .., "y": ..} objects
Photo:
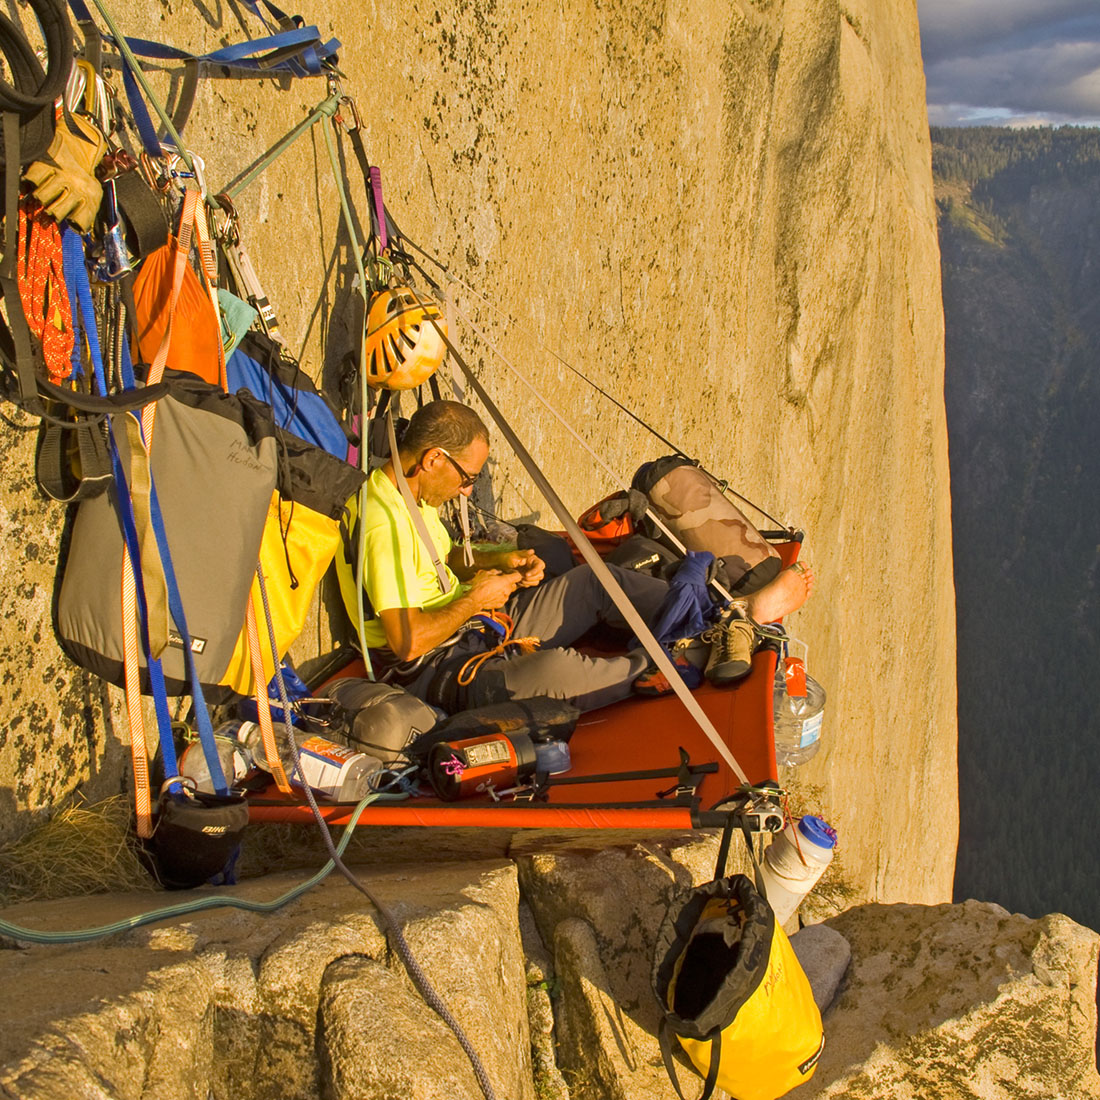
[
  {"x": 471, "y": 668},
  {"x": 42, "y": 287}
]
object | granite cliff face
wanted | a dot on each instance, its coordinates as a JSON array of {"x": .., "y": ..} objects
[{"x": 723, "y": 214}]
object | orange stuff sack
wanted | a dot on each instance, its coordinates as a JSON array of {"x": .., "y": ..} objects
[
  {"x": 196, "y": 332},
  {"x": 611, "y": 521}
]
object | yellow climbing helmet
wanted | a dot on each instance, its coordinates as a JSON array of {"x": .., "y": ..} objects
[{"x": 404, "y": 347}]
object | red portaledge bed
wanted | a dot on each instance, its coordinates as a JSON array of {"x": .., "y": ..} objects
[{"x": 636, "y": 735}]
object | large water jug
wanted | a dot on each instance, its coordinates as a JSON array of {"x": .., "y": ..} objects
[{"x": 799, "y": 707}]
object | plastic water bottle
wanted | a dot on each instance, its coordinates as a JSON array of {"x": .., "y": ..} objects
[
  {"x": 552, "y": 756},
  {"x": 332, "y": 770},
  {"x": 234, "y": 759},
  {"x": 799, "y": 702},
  {"x": 793, "y": 863}
]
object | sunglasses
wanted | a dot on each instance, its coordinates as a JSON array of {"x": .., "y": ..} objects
[{"x": 468, "y": 479}]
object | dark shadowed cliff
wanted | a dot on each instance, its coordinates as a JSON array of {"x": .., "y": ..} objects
[{"x": 1020, "y": 242}]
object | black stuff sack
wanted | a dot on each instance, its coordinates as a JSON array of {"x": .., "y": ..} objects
[
  {"x": 197, "y": 838},
  {"x": 378, "y": 719}
]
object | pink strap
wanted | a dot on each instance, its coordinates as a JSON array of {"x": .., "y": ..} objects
[{"x": 379, "y": 207}]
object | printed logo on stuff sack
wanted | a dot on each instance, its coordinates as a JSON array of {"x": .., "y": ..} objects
[{"x": 176, "y": 639}]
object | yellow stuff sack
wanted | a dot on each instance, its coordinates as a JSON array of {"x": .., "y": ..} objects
[
  {"x": 734, "y": 994},
  {"x": 300, "y": 538}
]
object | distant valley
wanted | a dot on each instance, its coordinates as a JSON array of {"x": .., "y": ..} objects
[{"x": 1019, "y": 223}]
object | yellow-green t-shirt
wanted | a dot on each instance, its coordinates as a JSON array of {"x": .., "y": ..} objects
[{"x": 397, "y": 568}]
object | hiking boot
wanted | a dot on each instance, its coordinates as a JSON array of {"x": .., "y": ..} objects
[
  {"x": 654, "y": 682},
  {"x": 732, "y": 643}
]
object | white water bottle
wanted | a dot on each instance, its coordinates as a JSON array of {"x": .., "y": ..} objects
[
  {"x": 332, "y": 770},
  {"x": 799, "y": 702},
  {"x": 793, "y": 863}
]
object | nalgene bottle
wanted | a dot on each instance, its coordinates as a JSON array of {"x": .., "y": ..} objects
[
  {"x": 232, "y": 756},
  {"x": 794, "y": 861}
]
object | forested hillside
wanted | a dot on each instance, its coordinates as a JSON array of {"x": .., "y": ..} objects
[{"x": 1019, "y": 216}]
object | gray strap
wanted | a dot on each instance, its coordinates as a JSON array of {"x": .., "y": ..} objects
[{"x": 414, "y": 509}]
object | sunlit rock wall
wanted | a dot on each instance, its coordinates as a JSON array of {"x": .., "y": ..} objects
[{"x": 722, "y": 214}]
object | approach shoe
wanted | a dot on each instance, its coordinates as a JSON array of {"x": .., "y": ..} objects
[
  {"x": 732, "y": 642},
  {"x": 654, "y": 682}
]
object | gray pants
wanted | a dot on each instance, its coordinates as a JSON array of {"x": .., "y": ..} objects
[{"x": 558, "y": 613}]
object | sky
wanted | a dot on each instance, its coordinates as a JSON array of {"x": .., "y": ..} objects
[{"x": 1011, "y": 62}]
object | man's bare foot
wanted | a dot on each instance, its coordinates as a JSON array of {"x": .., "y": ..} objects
[{"x": 787, "y": 593}]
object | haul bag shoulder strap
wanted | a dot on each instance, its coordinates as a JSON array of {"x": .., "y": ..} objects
[{"x": 711, "y": 1078}]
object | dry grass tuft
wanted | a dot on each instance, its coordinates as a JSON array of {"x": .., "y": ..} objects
[{"x": 86, "y": 848}]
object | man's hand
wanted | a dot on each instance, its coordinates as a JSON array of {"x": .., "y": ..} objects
[
  {"x": 528, "y": 564},
  {"x": 490, "y": 588}
]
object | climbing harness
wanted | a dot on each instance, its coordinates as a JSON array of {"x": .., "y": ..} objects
[{"x": 501, "y": 623}]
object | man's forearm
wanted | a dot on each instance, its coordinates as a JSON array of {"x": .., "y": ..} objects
[
  {"x": 496, "y": 558},
  {"x": 412, "y": 631}
]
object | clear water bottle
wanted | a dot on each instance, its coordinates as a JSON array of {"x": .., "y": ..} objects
[
  {"x": 332, "y": 770},
  {"x": 235, "y": 759},
  {"x": 799, "y": 702}
]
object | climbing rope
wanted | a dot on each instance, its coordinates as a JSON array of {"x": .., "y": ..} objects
[
  {"x": 470, "y": 668},
  {"x": 42, "y": 289},
  {"x": 415, "y": 971}
]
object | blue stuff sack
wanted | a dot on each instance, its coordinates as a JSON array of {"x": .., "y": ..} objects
[{"x": 260, "y": 366}]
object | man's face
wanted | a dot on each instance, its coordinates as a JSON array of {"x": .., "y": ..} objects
[{"x": 445, "y": 476}]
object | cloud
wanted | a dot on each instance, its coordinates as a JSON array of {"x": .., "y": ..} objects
[
  {"x": 960, "y": 27},
  {"x": 990, "y": 60}
]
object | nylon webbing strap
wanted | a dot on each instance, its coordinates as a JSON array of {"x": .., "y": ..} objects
[
  {"x": 628, "y": 611},
  {"x": 379, "y": 206},
  {"x": 183, "y": 249},
  {"x": 263, "y": 706},
  {"x": 163, "y": 553},
  {"x": 670, "y": 1066},
  {"x": 208, "y": 263},
  {"x": 414, "y": 509},
  {"x": 152, "y": 571},
  {"x": 24, "y": 355},
  {"x": 130, "y": 623},
  {"x": 135, "y": 716},
  {"x": 364, "y": 455},
  {"x": 132, "y": 595},
  {"x": 249, "y": 284}
]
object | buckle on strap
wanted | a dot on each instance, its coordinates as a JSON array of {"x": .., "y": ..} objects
[{"x": 687, "y": 778}]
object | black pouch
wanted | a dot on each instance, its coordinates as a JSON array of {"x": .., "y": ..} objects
[
  {"x": 197, "y": 837},
  {"x": 643, "y": 555}
]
